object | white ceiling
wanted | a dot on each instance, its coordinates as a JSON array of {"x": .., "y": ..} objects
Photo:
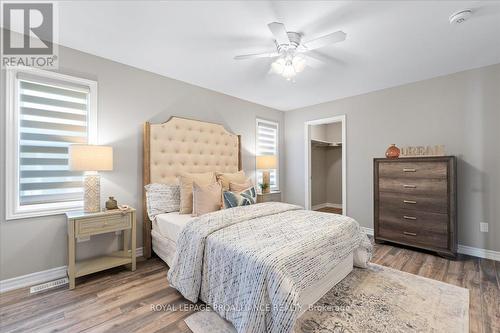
[{"x": 389, "y": 43}]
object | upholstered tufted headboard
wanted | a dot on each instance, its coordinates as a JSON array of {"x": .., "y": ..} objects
[{"x": 185, "y": 145}]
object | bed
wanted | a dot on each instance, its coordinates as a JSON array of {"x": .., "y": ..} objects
[
  {"x": 166, "y": 229},
  {"x": 299, "y": 255}
]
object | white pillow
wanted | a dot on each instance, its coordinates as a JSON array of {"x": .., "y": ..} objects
[{"x": 162, "y": 198}]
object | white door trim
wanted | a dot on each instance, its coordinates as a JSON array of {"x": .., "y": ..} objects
[{"x": 307, "y": 136}]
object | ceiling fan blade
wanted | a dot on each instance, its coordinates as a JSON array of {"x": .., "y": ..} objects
[
  {"x": 279, "y": 32},
  {"x": 332, "y": 38},
  {"x": 312, "y": 61},
  {"x": 257, "y": 55}
]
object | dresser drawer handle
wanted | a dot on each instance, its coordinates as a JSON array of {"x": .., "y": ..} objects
[
  {"x": 409, "y": 233},
  {"x": 409, "y": 202},
  {"x": 409, "y": 170},
  {"x": 410, "y": 186},
  {"x": 409, "y": 217}
]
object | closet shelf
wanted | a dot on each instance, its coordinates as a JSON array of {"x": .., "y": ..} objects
[{"x": 320, "y": 143}]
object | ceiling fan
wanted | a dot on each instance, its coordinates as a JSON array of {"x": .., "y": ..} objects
[{"x": 291, "y": 50}]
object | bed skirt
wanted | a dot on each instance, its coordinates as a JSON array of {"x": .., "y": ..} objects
[{"x": 163, "y": 247}]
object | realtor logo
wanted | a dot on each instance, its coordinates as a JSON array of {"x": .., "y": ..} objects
[{"x": 28, "y": 34}]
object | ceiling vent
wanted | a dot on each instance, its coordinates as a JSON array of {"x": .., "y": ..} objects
[{"x": 460, "y": 17}]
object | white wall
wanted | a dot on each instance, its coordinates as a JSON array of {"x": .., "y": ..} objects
[
  {"x": 128, "y": 97},
  {"x": 461, "y": 111}
]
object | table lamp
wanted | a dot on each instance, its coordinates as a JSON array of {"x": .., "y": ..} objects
[
  {"x": 91, "y": 158},
  {"x": 265, "y": 163}
]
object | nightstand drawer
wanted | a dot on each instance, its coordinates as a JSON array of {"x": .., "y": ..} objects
[
  {"x": 269, "y": 197},
  {"x": 102, "y": 224}
]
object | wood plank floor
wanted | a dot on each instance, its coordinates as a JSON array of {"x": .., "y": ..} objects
[
  {"x": 330, "y": 210},
  {"x": 121, "y": 301}
]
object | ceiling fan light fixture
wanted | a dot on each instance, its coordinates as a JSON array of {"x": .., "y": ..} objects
[
  {"x": 289, "y": 49},
  {"x": 299, "y": 63},
  {"x": 288, "y": 71},
  {"x": 289, "y": 65},
  {"x": 278, "y": 65}
]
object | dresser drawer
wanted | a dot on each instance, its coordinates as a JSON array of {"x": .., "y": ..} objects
[
  {"x": 102, "y": 224},
  {"x": 413, "y": 227},
  {"x": 413, "y": 170},
  {"x": 407, "y": 236},
  {"x": 425, "y": 221},
  {"x": 414, "y": 202},
  {"x": 430, "y": 186}
]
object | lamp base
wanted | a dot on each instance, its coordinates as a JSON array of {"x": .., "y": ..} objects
[
  {"x": 266, "y": 179},
  {"x": 92, "y": 194}
]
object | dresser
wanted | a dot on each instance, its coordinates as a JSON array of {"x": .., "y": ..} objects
[{"x": 415, "y": 203}]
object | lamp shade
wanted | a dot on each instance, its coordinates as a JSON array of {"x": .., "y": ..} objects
[
  {"x": 266, "y": 162},
  {"x": 90, "y": 158}
]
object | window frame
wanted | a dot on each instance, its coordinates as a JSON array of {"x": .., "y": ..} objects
[
  {"x": 272, "y": 122},
  {"x": 13, "y": 210}
]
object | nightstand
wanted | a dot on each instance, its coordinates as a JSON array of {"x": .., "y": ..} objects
[
  {"x": 267, "y": 197},
  {"x": 83, "y": 225}
]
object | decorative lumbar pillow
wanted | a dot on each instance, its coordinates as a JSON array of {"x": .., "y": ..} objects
[
  {"x": 186, "y": 184},
  {"x": 236, "y": 187},
  {"x": 162, "y": 198},
  {"x": 206, "y": 199},
  {"x": 233, "y": 199},
  {"x": 226, "y": 178}
]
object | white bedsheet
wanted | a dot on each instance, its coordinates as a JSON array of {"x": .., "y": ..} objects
[{"x": 170, "y": 225}]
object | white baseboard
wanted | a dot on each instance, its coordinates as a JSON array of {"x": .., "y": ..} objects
[
  {"x": 368, "y": 231},
  {"x": 41, "y": 277},
  {"x": 326, "y": 204},
  {"x": 477, "y": 252},
  {"x": 32, "y": 279},
  {"x": 463, "y": 249}
]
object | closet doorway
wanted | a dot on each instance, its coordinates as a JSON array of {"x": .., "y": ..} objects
[{"x": 325, "y": 146}]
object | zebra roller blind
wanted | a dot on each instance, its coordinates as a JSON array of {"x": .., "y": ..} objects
[
  {"x": 267, "y": 144},
  {"x": 51, "y": 117}
]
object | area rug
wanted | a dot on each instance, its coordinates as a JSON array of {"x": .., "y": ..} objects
[{"x": 377, "y": 299}]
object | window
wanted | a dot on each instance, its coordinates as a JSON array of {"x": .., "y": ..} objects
[
  {"x": 267, "y": 144},
  {"x": 46, "y": 112}
]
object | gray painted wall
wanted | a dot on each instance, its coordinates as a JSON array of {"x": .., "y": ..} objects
[
  {"x": 461, "y": 111},
  {"x": 318, "y": 175},
  {"x": 333, "y": 162},
  {"x": 334, "y": 132},
  {"x": 326, "y": 175},
  {"x": 128, "y": 97}
]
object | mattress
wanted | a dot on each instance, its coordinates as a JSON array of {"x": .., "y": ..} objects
[{"x": 170, "y": 225}]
